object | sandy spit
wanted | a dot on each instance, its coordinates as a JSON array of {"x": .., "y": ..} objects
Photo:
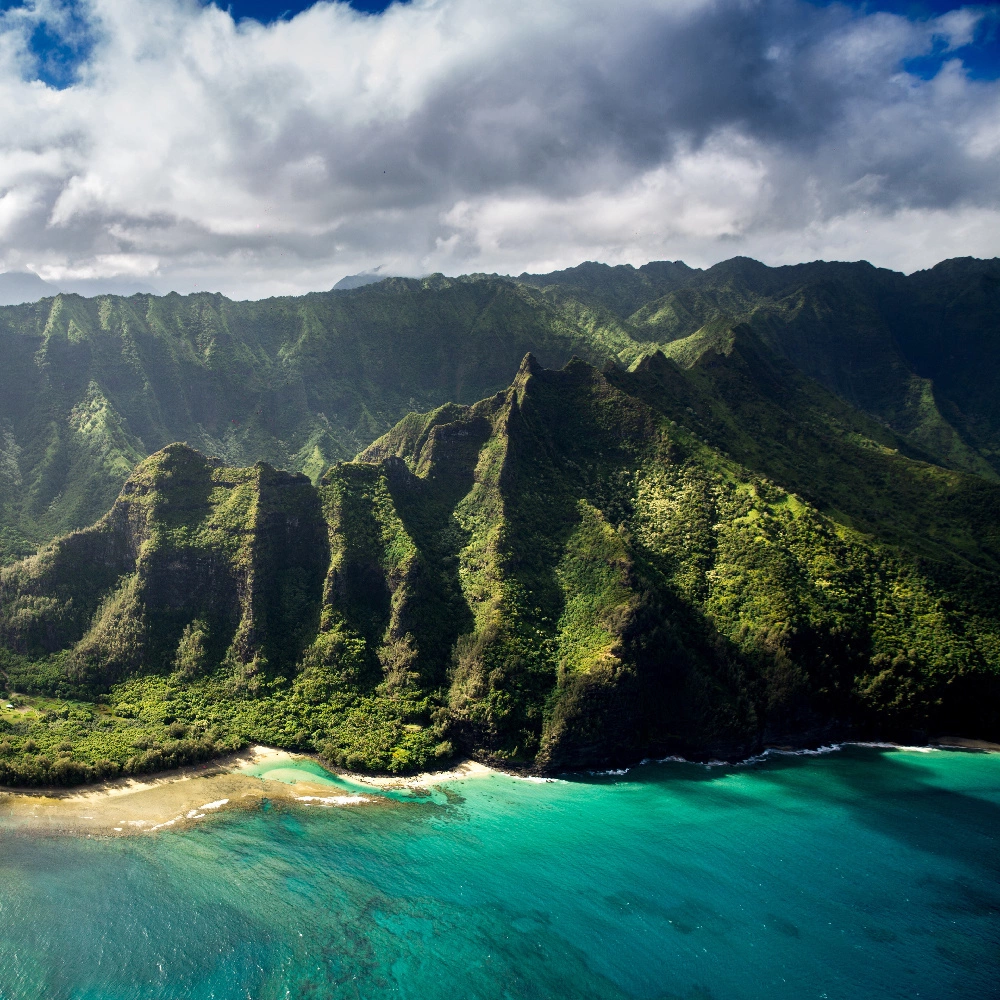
[
  {"x": 187, "y": 796},
  {"x": 467, "y": 769}
]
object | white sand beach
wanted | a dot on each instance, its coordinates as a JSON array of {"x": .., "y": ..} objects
[{"x": 190, "y": 795}]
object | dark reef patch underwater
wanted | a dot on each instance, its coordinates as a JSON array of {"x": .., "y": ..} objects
[{"x": 865, "y": 873}]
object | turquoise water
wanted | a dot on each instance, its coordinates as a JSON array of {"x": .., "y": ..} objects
[
  {"x": 303, "y": 769},
  {"x": 858, "y": 874}
]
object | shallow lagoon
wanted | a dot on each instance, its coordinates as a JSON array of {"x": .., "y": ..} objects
[{"x": 863, "y": 873}]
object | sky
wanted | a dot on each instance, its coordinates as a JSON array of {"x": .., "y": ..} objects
[{"x": 260, "y": 148}]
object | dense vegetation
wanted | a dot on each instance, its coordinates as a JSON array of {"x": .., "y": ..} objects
[
  {"x": 89, "y": 387},
  {"x": 702, "y": 554},
  {"x": 921, "y": 353}
]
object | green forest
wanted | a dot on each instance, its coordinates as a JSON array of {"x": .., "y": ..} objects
[{"x": 557, "y": 521}]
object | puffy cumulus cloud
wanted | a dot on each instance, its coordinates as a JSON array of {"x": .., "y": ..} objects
[{"x": 193, "y": 151}]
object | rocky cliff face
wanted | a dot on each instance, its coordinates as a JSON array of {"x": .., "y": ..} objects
[
  {"x": 585, "y": 568},
  {"x": 240, "y": 551}
]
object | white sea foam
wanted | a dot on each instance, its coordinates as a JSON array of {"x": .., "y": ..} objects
[
  {"x": 617, "y": 772},
  {"x": 169, "y": 822},
  {"x": 766, "y": 755},
  {"x": 776, "y": 752},
  {"x": 214, "y": 805},
  {"x": 897, "y": 746}
]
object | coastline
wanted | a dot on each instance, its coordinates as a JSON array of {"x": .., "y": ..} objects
[
  {"x": 961, "y": 743},
  {"x": 246, "y": 779},
  {"x": 189, "y": 795}
]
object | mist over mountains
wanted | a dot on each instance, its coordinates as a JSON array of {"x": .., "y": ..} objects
[{"x": 19, "y": 287}]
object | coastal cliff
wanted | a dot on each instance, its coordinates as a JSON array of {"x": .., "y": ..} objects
[{"x": 588, "y": 567}]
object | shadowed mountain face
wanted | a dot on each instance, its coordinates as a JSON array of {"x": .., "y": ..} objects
[
  {"x": 583, "y": 568},
  {"x": 919, "y": 353},
  {"x": 89, "y": 387}
]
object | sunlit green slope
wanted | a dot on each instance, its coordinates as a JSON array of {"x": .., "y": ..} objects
[
  {"x": 581, "y": 569},
  {"x": 88, "y": 387}
]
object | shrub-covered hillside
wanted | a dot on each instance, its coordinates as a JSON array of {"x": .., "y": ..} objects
[
  {"x": 581, "y": 569},
  {"x": 89, "y": 387},
  {"x": 920, "y": 353}
]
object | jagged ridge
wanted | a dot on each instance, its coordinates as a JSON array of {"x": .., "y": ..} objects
[
  {"x": 88, "y": 387},
  {"x": 587, "y": 567}
]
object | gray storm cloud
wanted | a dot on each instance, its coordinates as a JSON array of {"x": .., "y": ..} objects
[{"x": 456, "y": 136}]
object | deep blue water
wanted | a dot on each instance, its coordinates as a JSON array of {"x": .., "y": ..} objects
[{"x": 858, "y": 874}]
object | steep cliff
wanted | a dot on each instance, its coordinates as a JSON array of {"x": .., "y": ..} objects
[
  {"x": 585, "y": 568},
  {"x": 89, "y": 387}
]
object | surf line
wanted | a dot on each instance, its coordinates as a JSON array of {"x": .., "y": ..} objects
[{"x": 768, "y": 753}]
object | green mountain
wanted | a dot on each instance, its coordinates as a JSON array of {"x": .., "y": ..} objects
[
  {"x": 89, "y": 387},
  {"x": 919, "y": 353},
  {"x": 700, "y": 555}
]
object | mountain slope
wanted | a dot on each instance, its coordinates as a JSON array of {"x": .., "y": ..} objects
[
  {"x": 951, "y": 336},
  {"x": 918, "y": 353},
  {"x": 584, "y": 568},
  {"x": 88, "y": 387}
]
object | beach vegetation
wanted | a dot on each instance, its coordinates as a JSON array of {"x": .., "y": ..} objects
[{"x": 588, "y": 567}]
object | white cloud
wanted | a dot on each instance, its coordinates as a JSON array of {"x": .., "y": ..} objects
[{"x": 454, "y": 135}]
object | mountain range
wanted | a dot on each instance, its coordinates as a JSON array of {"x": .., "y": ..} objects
[{"x": 555, "y": 521}]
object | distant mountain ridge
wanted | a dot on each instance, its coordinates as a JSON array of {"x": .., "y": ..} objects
[
  {"x": 17, "y": 287},
  {"x": 21, "y": 287},
  {"x": 90, "y": 386}
]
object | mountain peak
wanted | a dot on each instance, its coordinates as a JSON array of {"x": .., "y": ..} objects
[
  {"x": 360, "y": 279},
  {"x": 529, "y": 365}
]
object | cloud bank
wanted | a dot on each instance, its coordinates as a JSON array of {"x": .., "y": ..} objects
[{"x": 189, "y": 150}]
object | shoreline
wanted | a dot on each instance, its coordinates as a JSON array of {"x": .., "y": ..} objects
[
  {"x": 181, "y": 798},
  {"x": 961, "y": 743},
  {"x": 184, "y": 797}
]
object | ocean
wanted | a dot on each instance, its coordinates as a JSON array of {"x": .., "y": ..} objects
[{"x": 860, "y": 874}]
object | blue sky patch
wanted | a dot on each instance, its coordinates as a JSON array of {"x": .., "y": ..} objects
[
  {"x": 981, "y": 58},
  {"x": 57, "y": 58},
  {"x": 267, "y": 11},
  {"x": 58, "y": 46}
]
